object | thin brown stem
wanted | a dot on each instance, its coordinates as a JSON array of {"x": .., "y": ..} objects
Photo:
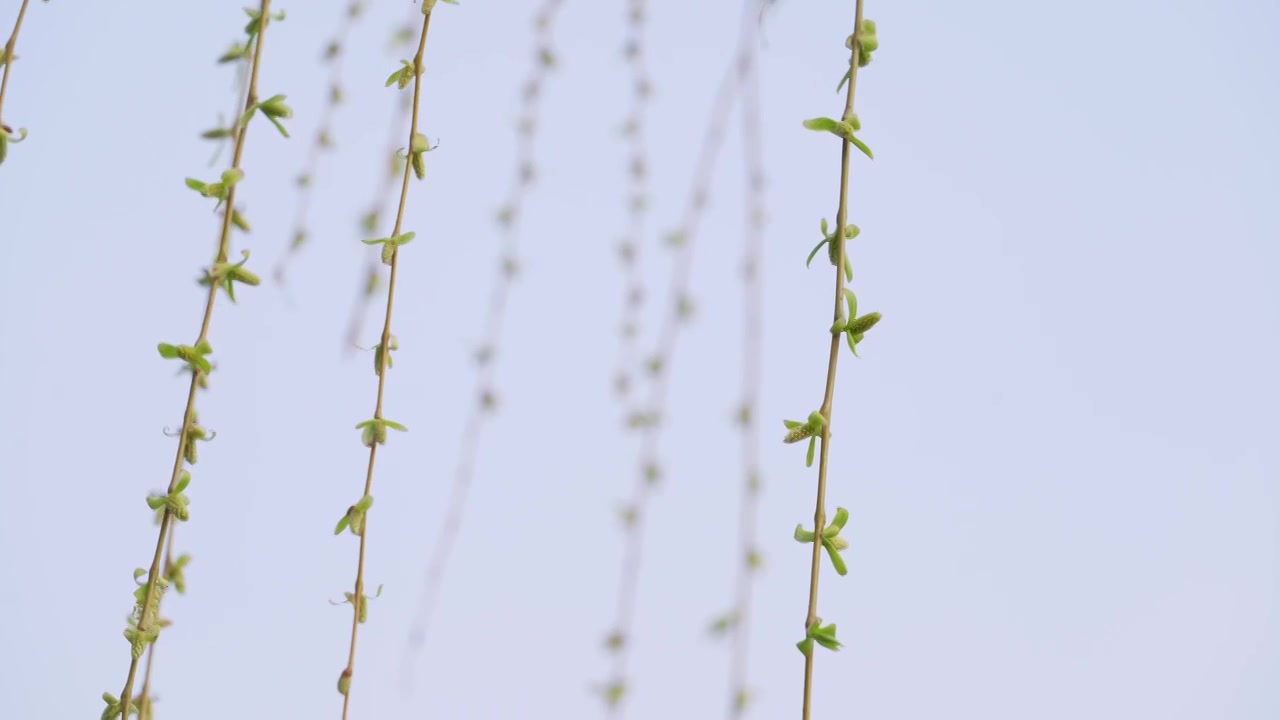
[
  {"x": 833, "y": 356},
  {"x": 753, "y": 307},
  {"x": 371, "y": 276},
  {"x": 486, "y": 355},
  {"x": 241, "y": 101},
  {"x": 358, "y": 595},
  {"x": 650, "y": 418},
  {"x": 126, "y": 697},
  {"x": 144, "y": 695},
  {"x": 8, "y": 55},
  {"x": 630, "y": 248},
  {"x": 334, "y": 53}
]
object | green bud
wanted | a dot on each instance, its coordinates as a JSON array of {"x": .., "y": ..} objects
[
  {"x": 355, "y": 518},
  {"x": 238, "y": 220},
  {"x": 275, "y": 106},
  {"x": 344, "y": 682},
  {"x": 236, "y": 52},
  {"x": 864, "y": 323},
  {"x": 615, "y": 641}
]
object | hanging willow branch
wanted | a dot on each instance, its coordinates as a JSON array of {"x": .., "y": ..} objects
[
  {"x": 847, "y": 327},
  {"x": 748, "y": 559},
  {"x": 145, "y": 622},
  {"x": 333, "y": 56},
  {"x": 648, "y": 418},
  {"x": 374, "y": 431},
  {"x": 509, "y": 217}
]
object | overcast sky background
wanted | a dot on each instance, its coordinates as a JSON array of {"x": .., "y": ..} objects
[{"x": 1058, "y": 448}]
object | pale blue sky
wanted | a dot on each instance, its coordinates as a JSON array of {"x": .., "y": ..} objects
[{"x": 1057, "y": 449}]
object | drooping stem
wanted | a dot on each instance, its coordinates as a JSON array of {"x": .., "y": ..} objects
[
  {"x": 153, "y": 575},
  {"x": 649, "y": 419},
  {"x": 631, "y": 246},
  {"x": 334, "y": 53},
  {"x": 753, "y": 313},
  {"x": 509, "y": 219},
  {"x": 384, "y": 355},
  {"x": 371, "y": 275},
  {"x": 144, "y": 695},
  {"x": 8, "y": 55},
  {"x": 240, "y": 101},
  {"x": 819, "y": 512}
]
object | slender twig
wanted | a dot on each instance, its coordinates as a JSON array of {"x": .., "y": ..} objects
[
  {"x": 753, "y": 315},
  {"x": 5, "y": 131},
  {"x": 333, "y": 55},
  {"x": 649, "y": 420},
  {"x": 833, "y": 356},
  {"x": 8, "y": 53},
  {"x": 485, "y": 357},
  {"x": 391, "y": 257},
  {"x": 631, "y": 246},
  {"x": 144, "y": 698},
  {"x": 153, "y": 575},
  {"x": 371, "y": 275}
]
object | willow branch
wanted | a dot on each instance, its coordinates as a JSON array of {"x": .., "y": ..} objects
[
  {"x": 509, "y": 218},
  {"x": 384, "y": 355},
  {"x": 153, "y": 575},
  {"x": 833, "y": 357}
]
